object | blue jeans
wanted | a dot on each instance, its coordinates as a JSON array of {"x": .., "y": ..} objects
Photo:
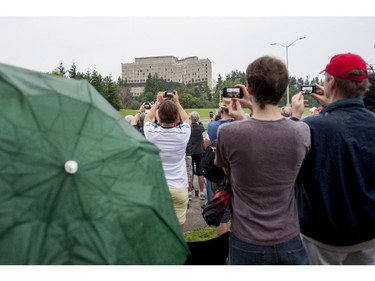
[
  {"x": 209, "y": 191},
  {"x": 290, "y": 252}
]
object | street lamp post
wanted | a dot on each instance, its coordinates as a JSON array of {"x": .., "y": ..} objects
[{"x": 287, "y": 66}]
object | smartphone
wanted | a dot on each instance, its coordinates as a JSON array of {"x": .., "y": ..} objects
[
  {"x": 308, "y": 89},
  {"x": 232, "y": 92},
  {"x": 211, "y": 114}
]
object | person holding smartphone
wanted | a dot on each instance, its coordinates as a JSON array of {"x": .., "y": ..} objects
[
  {"x": 263, "y": 155},
  {"x": 336, "y": 184}
]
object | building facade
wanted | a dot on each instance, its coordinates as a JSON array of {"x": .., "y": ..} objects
[{"x": 187, "y": 70}]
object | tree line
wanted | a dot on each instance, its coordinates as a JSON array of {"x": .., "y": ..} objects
[{"x": 118, "y": 94}]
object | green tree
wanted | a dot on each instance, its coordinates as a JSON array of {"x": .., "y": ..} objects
[
  {"x": 126, "y": 97},
  {"x": 55, "y": 72},
  {"x": 73, "y": 71},
  {"x": 97, "y": 81},
  {"x": 187, "y": 92},
  {"x": 135, "y": 104},
  {"x": 231, "y": 79},
  {"x": 219, "y": 80},
  {"x": 110, "y": 92},
  {"x": 370, "y": 68},
  {"x": 61, "y": 69},
  {"x": 239, "y": 76},
  {"x": 147, "y": 96},
  {"x": 121, "y": 82},
  {"x": 186, "y": 100}
]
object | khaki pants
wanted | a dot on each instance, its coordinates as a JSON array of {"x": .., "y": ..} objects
[{"x": 180, "y": 202}]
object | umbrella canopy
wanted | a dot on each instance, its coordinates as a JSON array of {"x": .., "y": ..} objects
[{"x": 78, "y": 184}]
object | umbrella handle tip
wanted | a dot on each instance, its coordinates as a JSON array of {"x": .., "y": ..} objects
[{"x": 71, "y": 166}]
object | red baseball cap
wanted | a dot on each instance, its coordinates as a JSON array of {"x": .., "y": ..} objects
[{"x": 341, "y": 64}]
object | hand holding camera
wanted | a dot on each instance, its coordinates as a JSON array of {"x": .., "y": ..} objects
[
  {"x": 308, "y": 89},
  {"x": 169, "y": 94},
  {"x": 317, "y": 92},
  {"x": 232, "y": 92},
  {"x": 235, "y": 110},
  {"x": 147, "y": 105},
  {"x": 240, "y": 93}
]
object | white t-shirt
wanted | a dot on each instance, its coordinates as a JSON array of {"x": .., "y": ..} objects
[{"x": 172, "y": 145}]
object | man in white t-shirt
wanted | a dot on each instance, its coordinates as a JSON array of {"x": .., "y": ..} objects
[{"x": 171, "y": 136}]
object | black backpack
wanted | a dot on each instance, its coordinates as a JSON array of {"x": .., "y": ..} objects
[{"x": 207, "y": 167}]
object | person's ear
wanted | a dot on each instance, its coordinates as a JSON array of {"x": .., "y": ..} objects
[
  {"x": 249, "y": 89},
  {"x": 332, "y": 83}
]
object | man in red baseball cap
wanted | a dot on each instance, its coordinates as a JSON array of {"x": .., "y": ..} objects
[
  {"x": 336, "y": 184},
  {"x": 342, "y": 66}
]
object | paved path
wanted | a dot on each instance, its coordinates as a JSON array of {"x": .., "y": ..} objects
[{"x": 194, "y": 218}]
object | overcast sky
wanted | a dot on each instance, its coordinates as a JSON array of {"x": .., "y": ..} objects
[{"x": 102, "y": 43}]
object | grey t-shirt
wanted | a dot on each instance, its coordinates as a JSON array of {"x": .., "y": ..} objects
[{"x": 264, "y": 158}]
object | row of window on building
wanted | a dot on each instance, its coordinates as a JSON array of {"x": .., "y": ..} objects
[{"x": 188, "y": 70}]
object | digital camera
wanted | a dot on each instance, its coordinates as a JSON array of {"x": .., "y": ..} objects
[
  {"x": 232, "y": 92},
  {"x": 168, "y": 94},
  {"x": 147, "y": 105},
  {"x": 308, "y": 89}
]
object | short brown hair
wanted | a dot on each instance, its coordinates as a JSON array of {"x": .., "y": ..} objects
[
  {"x": 168, "y": 112},
  {"x": 268, "y": 78}
]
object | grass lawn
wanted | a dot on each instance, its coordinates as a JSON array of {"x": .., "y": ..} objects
[
  {"x": 203, "y": 112},
  {"x": 201, "y": 234}
]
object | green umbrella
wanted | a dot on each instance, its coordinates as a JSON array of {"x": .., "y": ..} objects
[{"x": 78, "y": 184}]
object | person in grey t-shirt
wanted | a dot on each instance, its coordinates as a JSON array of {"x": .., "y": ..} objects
[{"x": 263, "y": 155}]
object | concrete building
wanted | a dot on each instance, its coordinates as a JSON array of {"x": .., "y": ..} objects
[{"x": 187, "y": 70}]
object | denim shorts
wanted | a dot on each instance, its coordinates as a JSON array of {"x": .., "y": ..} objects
[{"x": 291, "y": 252}]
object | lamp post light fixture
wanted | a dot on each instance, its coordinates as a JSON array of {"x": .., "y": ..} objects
[{"x": 287, "y": 67}]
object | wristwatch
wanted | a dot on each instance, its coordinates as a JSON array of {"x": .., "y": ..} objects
[{"x": 294, "y": 118}]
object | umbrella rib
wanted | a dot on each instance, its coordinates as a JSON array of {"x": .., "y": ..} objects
[
  {"x": 82, "y": 126},
  {"x": 26, "y": 101},
  {"x": 50, "y": 212},
  {"x": 3, "y": 75},
  {"x": 87, "y": 218},
  {"x": 18, "y": 90},
  {"x": 24, "y": 191}
]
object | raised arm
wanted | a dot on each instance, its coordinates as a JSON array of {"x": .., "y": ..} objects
[
  {"x": 183, "y": 115},
  {"x": 136, "y": 116}
]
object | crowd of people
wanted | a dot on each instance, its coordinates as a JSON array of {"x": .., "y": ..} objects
[{"x": 303, "y": 187}]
